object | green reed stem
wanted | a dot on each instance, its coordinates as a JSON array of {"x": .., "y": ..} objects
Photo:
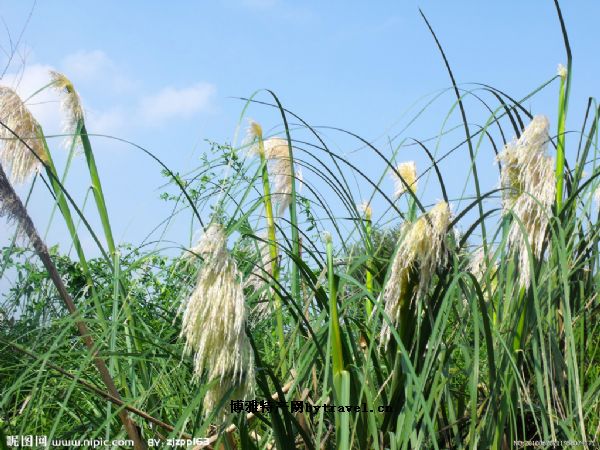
[
  {"x": 341, "y": 377},
  {"x": 560, "y": 147},
  {"x": 369, "y": 274},
  {"x": 273, "y": 252},
  {"x": 334, "y": 325}
]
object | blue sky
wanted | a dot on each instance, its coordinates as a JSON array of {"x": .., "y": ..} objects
[{"x": 166, "y": 76}]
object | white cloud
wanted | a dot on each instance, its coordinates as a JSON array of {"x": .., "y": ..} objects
[
  {"x": 96, "y": 67},
  {"x": 87, "y": 65},
  {"x": 113, "y": 101},
  {"x": 260, "y": 4},
  {"x": 109, "y": 122},
  {"x": 171, "y": 103}
]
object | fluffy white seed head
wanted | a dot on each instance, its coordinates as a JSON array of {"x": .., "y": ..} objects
[
  {"x": 214, "y": 318},
  {"x": 299, "y": 180},
  {"x": 212, "y": 244},
  {"x": 479, "y": 264},
  {"x": 529, "y": 184},
  {"x": 254, "y": 134},
  {"x": 562, "y": 72},
  {"x": 326, "y": 237},
  {"x": 276, "y": 151},
  {"x": 70, "y": 105},
  {"x": 535, "y": 135},
  {"x": 280, "y": 170},
  {"x": 365, "y": 208},
  {"x": 15, "y": 156},
  {"x": 420, "y": 251},
  {"x": 254, "y": 130},
  {"x": 408, "y": 172}
]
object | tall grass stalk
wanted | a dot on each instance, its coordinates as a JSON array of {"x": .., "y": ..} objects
[
  {"x": 369, "y": 262},
  {"x": 273, "y": 252},
  {"x": 560, "y": 147},
  {"x": 341, "y": 377}
]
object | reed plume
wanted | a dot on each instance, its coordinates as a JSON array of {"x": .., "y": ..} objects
[
  {"x": 19, "y": 128},
  {"x": 562, "y": 71},
  {"x": 529, "y": 184},
  {"x": 276, "y": 151},
  {"x": 70, "y": 104},
  {"x": 365, "y": 208},
  {"x": 406, "y": 180},
  {"x": 479, "y": 265},
  {"x": 420, "y": 251},
  {"x": 214, "y": 320}
]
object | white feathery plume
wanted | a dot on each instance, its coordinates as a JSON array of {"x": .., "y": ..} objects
[
  {"x": 70, "y": 104},
  {"x": 276, "y": 151},
  {"x": 365, "y": 208},
  {"x": 15, "y": 156},
  {"x": 253, "y": 134},
  {"x": 530, "y": 187},
  {"x": 299, "y": 180},
  {"x": 408, "y": 172},
  {"x": 479, "y": 264},
  {"x": 420, "y": 251},
  {"x": 562, "y": 71},
  {"x": 214, "y": 319}
]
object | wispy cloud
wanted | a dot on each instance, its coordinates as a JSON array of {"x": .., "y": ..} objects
[
  {"x": 288, "y": 11},
  {"x": 88, "y": 64},
  {"x": 96, "y": 67},
  {"x": 111, "y": 99},
  {"x": 260, "y": 4},
  {"x": 171, "y": 103},
  {"x": 110, "y": 121}
]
